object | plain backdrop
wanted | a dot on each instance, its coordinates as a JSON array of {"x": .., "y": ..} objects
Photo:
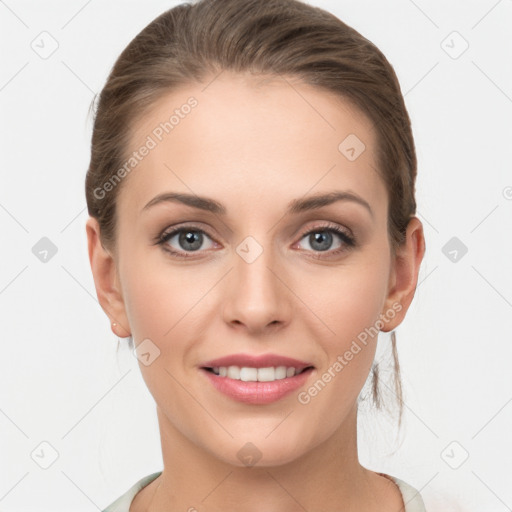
[{"x": 77, "y": 423}]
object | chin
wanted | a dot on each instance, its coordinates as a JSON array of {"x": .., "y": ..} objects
[{"x": 260, "y": 452}]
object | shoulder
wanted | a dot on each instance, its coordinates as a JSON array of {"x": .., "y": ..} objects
[
  {"x": 122, "y": 504},
  {"x": 412, "y": 498}
]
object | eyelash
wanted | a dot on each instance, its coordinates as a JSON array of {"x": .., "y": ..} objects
[{"x": 348, "y": 241}]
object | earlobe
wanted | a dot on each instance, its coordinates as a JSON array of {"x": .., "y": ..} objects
[
  {"x": 108, "y": 290},
  {"x": 404, "y": 276}
]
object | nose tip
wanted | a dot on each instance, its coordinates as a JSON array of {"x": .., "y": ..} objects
[{"x": 257, "y": 299}]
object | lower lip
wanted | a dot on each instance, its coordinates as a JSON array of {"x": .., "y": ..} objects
[{"x": 257, "y": 393}]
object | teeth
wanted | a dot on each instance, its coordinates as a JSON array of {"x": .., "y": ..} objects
[
  {"x": 267, "y": 374},
  {"x": 248, "y": 374},
  {"x": 234, "y": 372}
]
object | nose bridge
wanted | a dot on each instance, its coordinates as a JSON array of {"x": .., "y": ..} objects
[{"x": 257, "y": 297}]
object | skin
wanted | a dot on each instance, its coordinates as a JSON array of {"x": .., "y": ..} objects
[{"x": 254, "y": 145}]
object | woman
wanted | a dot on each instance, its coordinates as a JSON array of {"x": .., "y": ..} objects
[{"x": 252, "y": 228}]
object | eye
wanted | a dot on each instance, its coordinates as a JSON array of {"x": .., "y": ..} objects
[
  {"x": 186, "y": 240},
  {"x": 183, "y": 240},
  {"x": 321, "y": 238}
]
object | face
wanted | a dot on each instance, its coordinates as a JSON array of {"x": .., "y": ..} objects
[{"x": 247, "y": 265}]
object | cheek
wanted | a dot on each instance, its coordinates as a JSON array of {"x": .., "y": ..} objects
[
  {"x": 157, "y": 293},
  {"x": 347, "y": 299},
  {"x": 350, "y": 303},
  {"x": 155, "y": 301}
]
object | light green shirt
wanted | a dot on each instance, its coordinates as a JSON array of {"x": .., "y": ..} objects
[{"x": 412, "y": 498}]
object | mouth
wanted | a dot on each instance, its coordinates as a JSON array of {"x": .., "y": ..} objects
[{"x": 256, "y": 380}]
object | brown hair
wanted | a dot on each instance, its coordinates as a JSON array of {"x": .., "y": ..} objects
[{"x": 190, "y": 42}]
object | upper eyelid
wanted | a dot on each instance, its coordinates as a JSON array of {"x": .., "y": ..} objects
[
  {"x": 177, "y": 229},
  {"x": 327, "y": 226}
]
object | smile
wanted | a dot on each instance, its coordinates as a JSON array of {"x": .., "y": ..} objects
[{"x": 256, "y": 379}]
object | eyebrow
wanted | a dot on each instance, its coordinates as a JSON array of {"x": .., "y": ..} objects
[{"x": 296, "y": 206}]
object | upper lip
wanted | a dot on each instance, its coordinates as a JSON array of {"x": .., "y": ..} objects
[{"x": 260, "y": 361}]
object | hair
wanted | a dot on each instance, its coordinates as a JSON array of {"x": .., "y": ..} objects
[{"x": 194, "y": 41}]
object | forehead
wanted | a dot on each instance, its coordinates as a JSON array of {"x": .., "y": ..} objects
[{"x": 253, "y": 140}]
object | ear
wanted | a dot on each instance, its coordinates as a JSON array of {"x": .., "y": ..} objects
[
  {"x": 106, "y": 280},
  {"x": 404, "y": 276}
]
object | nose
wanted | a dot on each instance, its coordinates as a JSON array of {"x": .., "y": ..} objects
[{"x": 258, "y": 299}]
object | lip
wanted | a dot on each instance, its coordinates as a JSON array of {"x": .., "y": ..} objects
[
  {"x": 260, "y": 361},
  {"x": 257, "y": 393}
]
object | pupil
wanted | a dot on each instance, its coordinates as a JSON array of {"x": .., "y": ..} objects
[{"x": 193, "y": 238}]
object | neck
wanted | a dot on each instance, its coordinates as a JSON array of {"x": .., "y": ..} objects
[{"x": 328, "y": 477}]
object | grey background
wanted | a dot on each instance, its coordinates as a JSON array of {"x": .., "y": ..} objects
[{"x": 64, "y": 393}]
